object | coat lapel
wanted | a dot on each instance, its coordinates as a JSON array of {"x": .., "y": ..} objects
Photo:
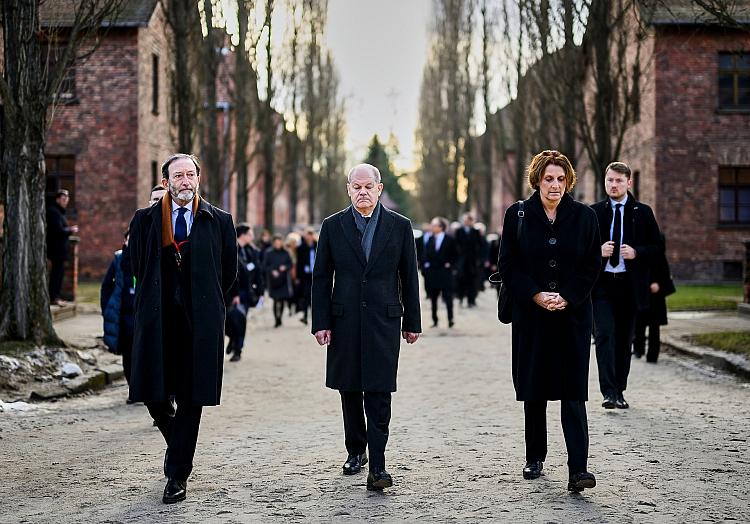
[
  {"x": 382, "y": 233},
  {"x": 350, "y": 232}
]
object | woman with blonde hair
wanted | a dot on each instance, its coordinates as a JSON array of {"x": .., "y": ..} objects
[{"x": 550, "y": 264}]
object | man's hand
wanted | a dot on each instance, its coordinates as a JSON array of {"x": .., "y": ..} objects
[
  {"x": 654, "y": 287},
  {"x": 627, "y": 252},
  {"x": 410, "y": 337},
  {"x": 608, "y": 248},
  {"x": 323, "y": 337}
]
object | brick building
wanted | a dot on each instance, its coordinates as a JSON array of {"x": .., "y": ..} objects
[
  {"x": 112, "y": 129},
  {"x": 689, "y": 145}
]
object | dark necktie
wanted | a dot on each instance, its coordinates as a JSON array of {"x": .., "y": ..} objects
[
  {"x": 431, "y": 246},
  {"x": 367, "y": 220},
  {"x": 180, "y": 226},
  {"x": 616, "y": 237}
]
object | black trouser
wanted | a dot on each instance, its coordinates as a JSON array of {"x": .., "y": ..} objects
[
  {"x": 278, "y": 309},
  {"x": 575, "y": 430},
  {"x": 56, "y": 276},
  {"x": 614, "y": 321},
  {"x": 434, "y": 294},
  {"x": 643, "y": 321},
  {"x": 180, "y": 432},
  {"x": 374, "y": 435}
]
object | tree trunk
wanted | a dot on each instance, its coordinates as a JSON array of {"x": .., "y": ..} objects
[
  {"x": 211, "y": 165},
  {"x": 24, "y": 297},
  {"x": 182, "y": 16}
]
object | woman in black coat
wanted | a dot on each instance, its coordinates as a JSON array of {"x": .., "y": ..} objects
[
  {"x": 550, "y": 271},
  {"x": 277, "y": 263}
]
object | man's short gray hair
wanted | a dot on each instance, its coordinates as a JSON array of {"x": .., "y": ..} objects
[{"x": 373, "y": 170}]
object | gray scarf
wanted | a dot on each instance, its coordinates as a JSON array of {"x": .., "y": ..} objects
[{"x": 367, "y": 229}]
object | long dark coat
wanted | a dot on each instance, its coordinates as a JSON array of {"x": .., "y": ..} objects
[
  {"x": 365, "y": 304},
  {"x": 551, "y": 348},
  {"x": 437, "y": 277},
  {"x": 278, "y": 287},
  {"x": 58, "y": 233},
  {"x": 639, "y": 231},
  {"x": 213, "y": 262}
]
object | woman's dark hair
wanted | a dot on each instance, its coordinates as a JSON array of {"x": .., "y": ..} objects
[{"x": 550, "y": 157}]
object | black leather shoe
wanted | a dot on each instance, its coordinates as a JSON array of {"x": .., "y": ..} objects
[
  {"x": 229, "y": 347},
  {"x": 354, "y": 463},
  {"x": 533, "y": 470},
  {"x": 434, "y": 323},
  {"x": 175, "y": 491},
  {"x": 621, "y": 403},
  {"x": 451, "y": 323},
  {"x": 637, "y": 354},
  {"x": 610, "y": 402},
  {"x": 378, "y": 479},
  {"x": 580, "y": 481},
  {"x": 235, "y": 358}
]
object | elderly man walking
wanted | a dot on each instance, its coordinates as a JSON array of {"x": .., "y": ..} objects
[
  {"x": 365, "y": 296},
  {"x": 184, "y": 259}
]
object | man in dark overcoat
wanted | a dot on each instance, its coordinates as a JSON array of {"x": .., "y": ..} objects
[
  {"x": 365, "y": 296},
  {"x": 58, "y": 233},
  {"x": 437, "y": 263},
  {"x": 629, "y": 238},
  {"x": 184, "y": 259},
  {"x": 469, "y": 245}
]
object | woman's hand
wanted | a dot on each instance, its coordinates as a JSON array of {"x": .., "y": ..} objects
[{"x": 550, "y": 301}]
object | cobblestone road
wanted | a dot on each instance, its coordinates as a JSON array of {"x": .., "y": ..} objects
[{"x": 274, "y": 449}]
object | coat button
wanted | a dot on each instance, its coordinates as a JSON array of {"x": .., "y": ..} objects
[
  {"x": 552, "y": 285},
  {"x": 552, "y": 241},
  {"x": 553, "y": 263},
  {"x": 156, "y": 308},
  {"x": 364, "y": 281},
  {"x": 364, "y": 304},
  {"x": 156, "y": 281}
]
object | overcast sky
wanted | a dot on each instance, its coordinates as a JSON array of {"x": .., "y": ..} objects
[{"x": 379, "y": 48}]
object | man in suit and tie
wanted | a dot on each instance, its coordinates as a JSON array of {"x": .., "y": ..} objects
[
  {"x": 629, "y": 240},
  {"x": 305, "y": 264},
  {"x": 437, "y": 264},
  {"x": 184, "y": 259},
  {"x": 365, "y": 296}
]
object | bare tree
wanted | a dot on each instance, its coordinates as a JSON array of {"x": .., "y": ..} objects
[
  {"x": 212, "y": 45},
  {"x": 34, "y": 65},
  {"x": 183, "y": 19}
]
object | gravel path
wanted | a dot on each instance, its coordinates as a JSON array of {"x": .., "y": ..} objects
[{"x": 273, "y": 450}]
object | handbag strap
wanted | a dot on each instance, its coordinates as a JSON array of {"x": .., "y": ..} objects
[{"x": 521, "y": 214}]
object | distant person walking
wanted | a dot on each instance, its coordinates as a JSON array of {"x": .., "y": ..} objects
[
  {"x": 304, "y": 273},
  {"x": 116, "y": 300},
  {"x": 58, "y": 233},
  {"x": 656, "y": 315},
  {"x": 469, "y": 244},
  {"x": 438, "y": 263},
  {"x": 365, "y": 296},
  {"x": 277, "y": 264},
  {"x": 550, "y": 270}
]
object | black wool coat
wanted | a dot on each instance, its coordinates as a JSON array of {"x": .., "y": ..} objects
[
  {"x": 58, "y": 233},
  {"x": 279, "y": 287},
  {"x": 639, "y": 231},
  {"x": 438, "y": 277},
  {"x": 551, "y": 348},
  {"x": 365, "y": 304},
  {"x": 213, "y": 261}
]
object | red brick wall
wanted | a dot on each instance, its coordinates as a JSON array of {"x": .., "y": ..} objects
[
  {"x": 692, "y": 139},
  {"x": 101, "y": 130}
]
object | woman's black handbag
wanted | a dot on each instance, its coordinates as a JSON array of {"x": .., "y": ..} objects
[{"x": 504, "y": 300}]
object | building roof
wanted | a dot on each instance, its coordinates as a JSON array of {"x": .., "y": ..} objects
[
  {"x": 688, "y": 12},
  {"x": 61, "y": 13}
]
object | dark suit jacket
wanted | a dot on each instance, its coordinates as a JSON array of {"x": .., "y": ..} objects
[
  {"x": 437, "y": 277},
  {"x": 213, "y": 269},
  {"x": 639, "y": 231},
  {"x": 57, "y": 233},
  {"x": 365, "y": 304}
]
